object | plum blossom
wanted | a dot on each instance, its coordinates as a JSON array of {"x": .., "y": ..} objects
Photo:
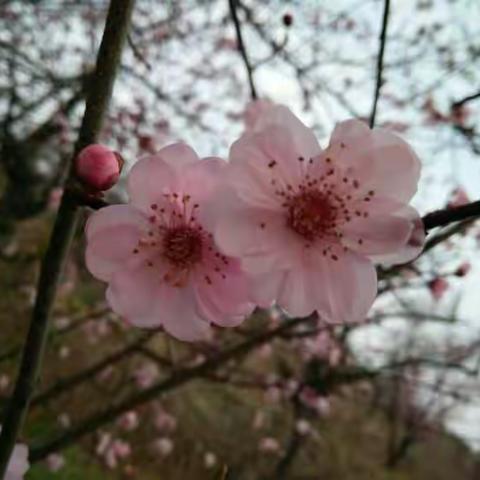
[
  {"x": 308, "y": 224},
  {"x": 18, "y": 464},
  {"x": 157, "y": 254}
]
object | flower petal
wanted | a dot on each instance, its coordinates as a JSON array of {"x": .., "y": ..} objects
[
  {"x": 223, "y": 301},
  {"x": 114, "y": 216},
  {"x": 377, "y": 159},
  {"x": 342, "y": 291},
  {"x": 377, "y": 234},
  {"x": 151, "y": 177},
  {"x": 259, "y": 236},
  {"x": 179, "y": 316},
  {"x": 413, "y": 247},
  {"x": 133, "y": 294}
]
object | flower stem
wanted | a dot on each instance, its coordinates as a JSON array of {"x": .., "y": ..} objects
[{"x": 108, "y": 59}]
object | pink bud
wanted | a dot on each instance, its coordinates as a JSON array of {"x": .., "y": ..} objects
[{"x": 98, "y": 167}]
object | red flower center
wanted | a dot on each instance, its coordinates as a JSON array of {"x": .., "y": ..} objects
[
  {"x": 310, "y": 213},
  {"x": 182, "y": 246}
]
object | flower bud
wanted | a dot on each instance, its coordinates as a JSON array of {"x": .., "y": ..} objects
[
  {"x": 98, "y": 167},
  {"x": 287, "y": 19}
]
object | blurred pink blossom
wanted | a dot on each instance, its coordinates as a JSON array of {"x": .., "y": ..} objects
[
  {"x": 269, "y": 445},
  {"x": 129, "y": 421},
  {"x": 145, "y": 375},
  {"x": 55, "y": 462},
  {"x": 163, "y": 446},
  {"x": 164, "y": 421}
]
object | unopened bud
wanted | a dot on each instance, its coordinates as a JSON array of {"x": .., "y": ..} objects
[
  {"x": 287, "y": 19},
  {"x": 98, "y": 167}
]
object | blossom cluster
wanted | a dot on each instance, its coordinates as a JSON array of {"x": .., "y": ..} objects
[{"x": 283, "y": 221}]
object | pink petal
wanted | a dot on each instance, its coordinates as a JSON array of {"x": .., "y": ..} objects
[
  {"x": 111, "y": 250},
  {"x": 341, "y": 291},
  {"x": 179, "y": 315},
  {"x": 114, "y": 216},
  {"x": 266, "y": 287},
  {"x": 133, "y": 294},
  {"x": 201, "y": 178},
  {"x": 303, "y": 138},
  {"x": 377, "y": 234},
  {"x": 272, "y": 153},
  {"x": 260, "y": 237},
  {"x": 153, "y": 176},
  {"x": 223, "y": 301},
  {"x": 413, "y": 247},
  {"x": 377, "y": 158}
]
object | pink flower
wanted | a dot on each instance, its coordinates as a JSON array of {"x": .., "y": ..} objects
[
  {"x": 308, "y": 223},
  {"x": 162, "y": 264},
  {"x": 18, "y": 464},
  {"x": 98, "y": 167}
]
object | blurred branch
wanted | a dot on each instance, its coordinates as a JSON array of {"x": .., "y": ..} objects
[
  {"x": 381, "y": 51},
  {"x": 242, "y": 48},
  {"x": 88, "y": 373},
  {"x": 463, "y": 101},
  {"x": 176, "y": 379},
  {"x": 108, "y": 59}
]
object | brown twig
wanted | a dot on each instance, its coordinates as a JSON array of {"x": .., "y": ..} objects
[
  {"x": 381, "y": 52},
  {"x": 242, "y": 48}
]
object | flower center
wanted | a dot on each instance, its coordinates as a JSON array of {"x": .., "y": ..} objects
[
  {"x": 182, "y": 246},
  {"x": 310, "y": 213}
]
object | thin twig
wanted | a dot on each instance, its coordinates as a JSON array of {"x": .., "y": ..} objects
[
  {"x": 463, "y": 101},
  {"x": 242, "y": 48},
  {"x": 381, "y": 51},
  {"x": 116, "y": 26}
]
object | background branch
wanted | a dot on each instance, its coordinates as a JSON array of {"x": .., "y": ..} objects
[
  {"x": 381, "y": 51},
  {"x": 242, "y": 48}
]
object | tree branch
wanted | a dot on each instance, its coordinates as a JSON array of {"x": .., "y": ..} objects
[
  {"x": 116, "y": 26},
  {"x": 176, "y": 379},
  {"x": 441, "y": 218},
  {"x": 242, "y": 48},
  {"x": 463, "y": 101},
  {"x": 381, "y": 51}
]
